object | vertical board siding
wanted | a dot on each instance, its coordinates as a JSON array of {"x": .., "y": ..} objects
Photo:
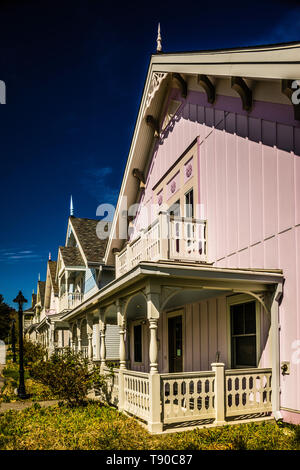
[{"x": 249, "y": 184}]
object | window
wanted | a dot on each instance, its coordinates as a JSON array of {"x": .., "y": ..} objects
[
  {"x": 137, "y": 341},
  {"x": 175, "y": 209},
  {"x": 189, "y": 204},
  {"x": 243, "y": 335}
]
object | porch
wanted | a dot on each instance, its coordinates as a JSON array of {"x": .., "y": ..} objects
[{"x": 183, "y": 361}]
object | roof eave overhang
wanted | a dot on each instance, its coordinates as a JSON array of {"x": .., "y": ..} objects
[
  {"x": 263, "y": 62},
  {"x": 201, "y": 277}
]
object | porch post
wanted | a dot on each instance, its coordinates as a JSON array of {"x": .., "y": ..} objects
[
  {"x": 97, "y": 339},
  {"x": 122, "y": 352},
  {"x": 51, "y": 338},
  {"x": 218, "y": 368},
  {"x": 89, "y": 326},
  {"x": 153, "y": 306},
  {"x": 71, "y": 326},
  {"x": 275, "y": 352},
  {"x": 164, "y": 227},
  {"x": 78, "y": 331},
  {"x": 102, "y": 327}
]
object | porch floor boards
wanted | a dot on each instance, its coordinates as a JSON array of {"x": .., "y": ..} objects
[{"x": 210, "y": 423}]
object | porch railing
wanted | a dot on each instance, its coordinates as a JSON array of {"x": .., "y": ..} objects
[
  {"x": 84, "y": 351},
  {"x": 248, "y": 391},
  {"x": 217, "y": 395},
  {"x": 167, "y": 238},
  {"x": 187, "y": 396},
  {"x": 137, "y": 394}
]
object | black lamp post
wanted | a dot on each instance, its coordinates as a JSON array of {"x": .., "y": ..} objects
[
  {"x": 13, "y": 339},
  {"x": 20, "y": 300}
]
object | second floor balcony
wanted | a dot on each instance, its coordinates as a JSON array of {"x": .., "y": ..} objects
[
  {"x": 169, "y": 237},
  {"x": 70, "y": 300}
]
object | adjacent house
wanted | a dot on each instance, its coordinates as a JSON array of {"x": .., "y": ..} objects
[{"x": 200, "y": 272}]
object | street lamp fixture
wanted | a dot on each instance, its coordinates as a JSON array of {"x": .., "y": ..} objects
[{"x": 20, "y": 300}]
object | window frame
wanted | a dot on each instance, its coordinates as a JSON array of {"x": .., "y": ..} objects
[
  {"x": 134, "y": 324},
  {"x": 237, "y": 300},
  {"x": 191, "y": 190}
]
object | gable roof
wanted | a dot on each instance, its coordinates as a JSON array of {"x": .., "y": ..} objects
[
  {"x": 41, "y": 291},
  {"x": 270, "y": 62},
  {"x": 85, "y": 231},
  {"x": 52, "y": 270},
  {"x": 71, "y": 256}
]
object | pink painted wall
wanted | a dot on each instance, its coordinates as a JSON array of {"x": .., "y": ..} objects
[{"x": 249, "y": 184}]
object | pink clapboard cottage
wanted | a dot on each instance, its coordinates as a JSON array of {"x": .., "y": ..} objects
[{"x": 206, "y": 243}]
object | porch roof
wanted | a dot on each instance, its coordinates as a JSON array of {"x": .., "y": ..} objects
[{"x": 180, "y": 275}]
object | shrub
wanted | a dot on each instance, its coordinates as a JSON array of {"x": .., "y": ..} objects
[
  {"x": 33, "y": 352},
  {"x": 68, "y": 375}
]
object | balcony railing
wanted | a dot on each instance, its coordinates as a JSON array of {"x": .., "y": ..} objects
[
  {"x": 70, "y": 300},
  {"x": 167, "y": 238}
]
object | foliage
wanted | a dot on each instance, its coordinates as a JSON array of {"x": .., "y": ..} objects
[
  {"x": 7, "y": 313},
  {"x": 100, "y": 427},
  {"x": 35, "y": 390},
  {"x": 33, "y": 352},
  {"x": 68, "y": 375}
]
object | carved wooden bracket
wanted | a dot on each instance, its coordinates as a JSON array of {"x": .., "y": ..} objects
[
  {"x": 209, "y": 88},
  {"x": 153, "y": 123},
  {"x": 140, "y": 176},
  {"x": 288, "y": 90},
  {"x": 182, "y": 84},
  {"x": 241, "y": 87}
]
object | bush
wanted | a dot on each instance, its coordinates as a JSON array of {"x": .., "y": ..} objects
[
  {"x": 33, "y": 352},
  {"x": 68, "y": 375}
]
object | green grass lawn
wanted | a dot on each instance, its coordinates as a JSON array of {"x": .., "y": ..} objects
[
  {"x": 100, "y": 427},
  {"x": 35, "y": 390}
]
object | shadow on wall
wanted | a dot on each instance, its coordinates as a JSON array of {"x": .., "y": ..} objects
[{"x": 271, "y": 124}]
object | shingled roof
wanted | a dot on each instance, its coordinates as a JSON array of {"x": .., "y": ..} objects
[
  {"x": 52, "y": 270},
  {"x": 92, "y": 246},
  {"x": 41, "y": 290},
  {"x": 71, "y": 256}
]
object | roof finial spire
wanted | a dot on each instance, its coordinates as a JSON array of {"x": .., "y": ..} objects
[
  {"x": 39, "y": 277},
  {"x": 158, "y": 40},
  {"x": 49, "y": 255},
  {"x": 71, "y": 207}
]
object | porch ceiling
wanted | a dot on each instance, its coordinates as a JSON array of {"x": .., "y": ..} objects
[{"x": 209, "y": 280}]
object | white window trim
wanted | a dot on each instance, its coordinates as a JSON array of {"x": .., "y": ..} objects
[
  {"x": 133, "y": 324},
  {"x": 242, "y": 299}
]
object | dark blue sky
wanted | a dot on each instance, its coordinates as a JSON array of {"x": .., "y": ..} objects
[{"x": 74, "y": 74}]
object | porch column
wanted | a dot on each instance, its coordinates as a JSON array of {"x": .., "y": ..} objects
[
  {"x": 122, "y": 351},
  {"x": 51, "y": 338},
  {"x": 102, "y": 327},
  {"x": 78, "y": 332},
  {"x": 89, "y": 326},
  {"x": 218, "y": 368},
  {"x": 153, "y": 306},
  {"x": 276, "y": 299},
  {"x": 97, "y": 338},
  {"x": 153, "y": 349},
  {"x": 71, "y": 335},
  {"x": 122, "y": 325}
]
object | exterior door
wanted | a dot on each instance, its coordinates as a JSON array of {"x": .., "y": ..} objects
[{"x": 175, "y": 344}]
